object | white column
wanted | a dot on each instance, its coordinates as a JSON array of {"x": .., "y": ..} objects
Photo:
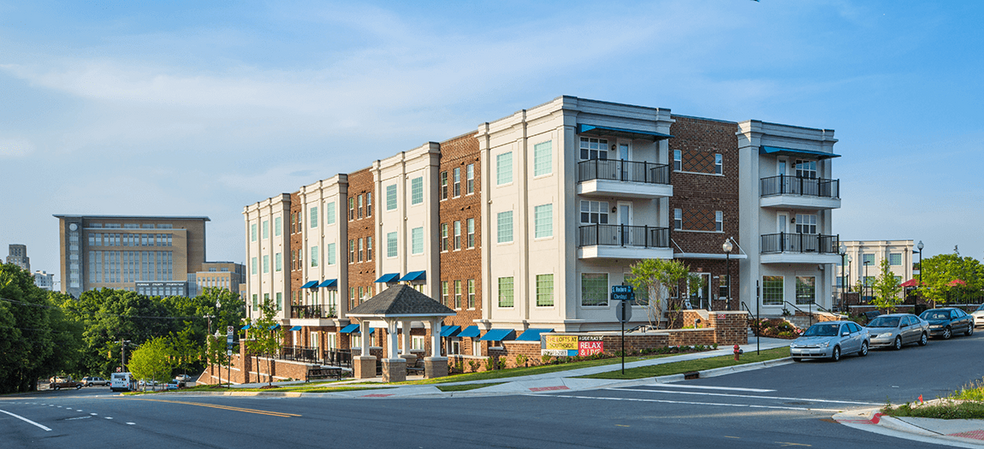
[
  {"x": 436, "y": 337},
  {"x": 393, "y": 338},
  {"x": 364, "y": 328},
  {"x": 406, "y": 336}
]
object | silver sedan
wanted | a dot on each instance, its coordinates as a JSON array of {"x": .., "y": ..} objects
[
  {"x": 829, "y": 340},
  {"x": 895, "y": 330}
]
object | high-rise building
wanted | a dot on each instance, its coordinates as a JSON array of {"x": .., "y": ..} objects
[
  {"x": 529, "y": 222},
  {"x": 157, "y": 256},
  {"x": 17, "y": 255}
]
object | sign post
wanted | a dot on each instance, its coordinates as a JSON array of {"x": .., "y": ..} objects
[
  {"x": 625, "y": 296},
  {"x": 229, "y": 333}
]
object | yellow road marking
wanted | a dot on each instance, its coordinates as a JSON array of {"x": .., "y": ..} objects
[
  {"x": 729, "y": 436},
  {"x": 621, "y": 425},
  {"x": 223, "y": 407}
]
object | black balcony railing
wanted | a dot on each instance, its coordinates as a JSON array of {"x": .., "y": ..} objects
[
  {"x": 624, "y": 235},
  {"x": 796, "y": 185},
  {"x": 323, "y": 311},
  {"x": 627, "y": 171},
  {"x": 785, "y": 242}
]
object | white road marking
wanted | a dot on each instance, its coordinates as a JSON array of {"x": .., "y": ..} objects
[
  {"x": 688, "y": 402},
  {"x": 708, "y": 387},
  {"x": 46, "y": 429},
  {"x": 782, "y": 398},
  {"x": 130, "y": 423},
  {"x": 109, "y": 417},
  {"x": 93, "y": 414}
]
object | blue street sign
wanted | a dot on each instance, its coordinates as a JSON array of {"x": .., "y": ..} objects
[{"x": 622, "y": 293}]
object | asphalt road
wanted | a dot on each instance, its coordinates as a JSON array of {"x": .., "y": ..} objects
[{"x": 784, "y": 406}]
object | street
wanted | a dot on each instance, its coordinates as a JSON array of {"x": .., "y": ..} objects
[{"x": 788, "y": 405}]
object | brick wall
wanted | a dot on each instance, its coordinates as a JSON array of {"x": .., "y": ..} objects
[
  {"x": 296, "y": 244},
  {"x": 360, "y": 274}
]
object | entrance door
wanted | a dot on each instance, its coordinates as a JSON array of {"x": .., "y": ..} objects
[
  {"x": 624, "y": 169},
  {"x": 703, "y": 294},
  {"x": 625, "y": 223}
]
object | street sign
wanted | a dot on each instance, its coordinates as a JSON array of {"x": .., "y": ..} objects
[
  {"x": 622, "y": 293},
  {"x": 229, "y": 352},
  {"x": 229, "y": 330},
  {"x": 623, "y": 312}
]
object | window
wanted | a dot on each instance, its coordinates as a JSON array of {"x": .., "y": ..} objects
[
  {"x": 266, "y": 229},
  {"x": 266, "y": 263},
  {"x": 544, "y": 290},
  {"x": 505, "y": 227},
  {"x": 772, "y": 290},
  {"x": 417, "y": 342},
  {"x": 358, "y": 207},
  {"x": 444, "y": 292},
  {"x": 444, "y": 236},
  {"x": 252, "y": 232},
  {"x": 723, "y": 281},
  {"x": 594, "y": 212},
  {"x": 417, "y": 240},
  {"x": 593, "y": 149},
  {"x": 470, "y": 229},
  {"x": 457, "y": 294},
  {"x": 677, "y": 160},
  {"x": 471, "y": 293},
  {"x": 506, "y": 292},
  {"x": 360, "y": 251},
  {"x": 417, "y": 190},
  {"x": 543, "y": 158},
  {"x": 806, "y": 224},
  {"x": 369, "y": 204},
  {"x": 280, "y": 301},
  {"x": 391, "y": 248},
  {"x": 444, "y": 185},
  {"x": 806, "y": 169},
  {"x": 718, "y": 164},
  {"x": 253, "y": 266},
  {"x": 278, "y": 224},
  {"x": 503, "y": 169},
  {"x": 391, "y": 197},
  {"x": 330, "y": 253},
  {"x": 895, "y": 259},
  {"x": 470, "y": 178},
  {"x": 278, "y": 262},
  {"x": 368, "y": 248},
  {"x": 314, "y": 256},
  {"x": 543, "y": 221},
  {"x": 352, "y": 208},
  {"x": 867, "y": 259},
  {"x": 255, "y": 301},
  {"x": 806, "y": 289},
  {"x": 457, "y": 182},
  {"x": 351, "y": 257},
  {"x": 457, "y": 235},
  {"x": 594, "y": 289},
  {"x": 330, "y": 213},
  {"x": 314, "y": 217},
  {"x": 719, "y": 221}
]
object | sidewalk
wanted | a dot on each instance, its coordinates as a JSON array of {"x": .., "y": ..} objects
[{"x": 950, "y": 432}]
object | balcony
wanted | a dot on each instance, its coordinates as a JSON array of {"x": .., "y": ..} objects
[
  {"x": 628, "y": 179},
  {"x": 787, "y": 247},
  {"x": 800, "y": 192},
  {"x": 623, "y": 242},
  {"x": 313, "y": 315}
]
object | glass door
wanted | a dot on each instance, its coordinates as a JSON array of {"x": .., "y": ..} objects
[{"x": 625, "y": 222}]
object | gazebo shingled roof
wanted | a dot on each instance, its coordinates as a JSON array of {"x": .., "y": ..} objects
[{"x": 400, "y": 300}]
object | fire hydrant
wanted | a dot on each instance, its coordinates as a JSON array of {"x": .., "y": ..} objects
[{"x": 737, "y": 352}]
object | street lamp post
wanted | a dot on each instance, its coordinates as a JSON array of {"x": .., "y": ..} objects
[
  {"x": 727, "y": 247},
  {"x": 920, "y": 246},
  {"x": 843, "y": 301},
  {"x": 866, "y": 263},
  {"x": 123, "y": 344}
]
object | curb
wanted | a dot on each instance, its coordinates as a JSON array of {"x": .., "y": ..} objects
[{"x": 898, "y": 428}]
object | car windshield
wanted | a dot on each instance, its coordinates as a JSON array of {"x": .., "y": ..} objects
[
  {"x": 822, "y": 330},
  {"x": 884, "y": 321},
  {"x": 980, "y": 308},
  {"x": 936, "y": 315}
]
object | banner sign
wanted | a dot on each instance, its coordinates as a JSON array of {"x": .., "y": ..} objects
[{"x": 572, "y": 345}]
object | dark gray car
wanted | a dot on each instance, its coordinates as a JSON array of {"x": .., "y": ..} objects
[{"x": 895, "y": 330}]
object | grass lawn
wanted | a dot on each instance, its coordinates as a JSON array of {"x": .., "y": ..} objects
[
  {"x": 693, "y": 365},
  {"x": 966, "y": 403}
]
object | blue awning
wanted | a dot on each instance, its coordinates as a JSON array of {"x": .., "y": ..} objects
[
  {"x": 329, "y": 283},
  {"x": 414, "y": 276},
  {"x": 350, "y": 329},
  {"x": 296, "y": 328},
  {"x": 449, "y": 331},
  {"x": 532, "y": 334},
  {"x": 470, "y": 331},
  {"x": 776, "y": 151},
  {"x": 245, "y": 327},
  {"x": 594, "y": 130},
  {"x": 310, "y": 284},
  {"x": 389, "y": 277},
  {"x": 275, "y": 326},
  {"x": 498, "y": 335}
]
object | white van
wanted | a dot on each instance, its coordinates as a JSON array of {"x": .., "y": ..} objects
[{"x": 122, "y": 382}]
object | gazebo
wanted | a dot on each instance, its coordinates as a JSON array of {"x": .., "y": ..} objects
[{"x": 400, "y": 304}]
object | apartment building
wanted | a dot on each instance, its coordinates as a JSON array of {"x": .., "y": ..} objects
[
  {"x": 863, "y": 259},
  {"x": 528, "y": 222}
]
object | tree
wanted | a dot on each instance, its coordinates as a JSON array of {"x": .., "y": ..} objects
[
  {"x": 27, "y": 340},
  {"x": 153, "y": 360},
  {"x": 940, "y": 272},
  {"x": 265, "y": 335},
  {"x": 887, "y": 288},
  {"x": 660, "y": 278}
]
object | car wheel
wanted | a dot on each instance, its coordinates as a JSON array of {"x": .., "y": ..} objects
[
  {"x": 836, "y": 355},
  {"x": 970, "y": 330},
  {"x": 947, "y": 333},
  {"x": 898, "y": 343},
  {"x": 56, "y": 388},
  {"x": 864, "y": 349},
  {"x": 923, "y": 340},
  {"x": 78, "y": 387}
]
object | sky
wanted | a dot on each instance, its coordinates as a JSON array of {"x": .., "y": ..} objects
[{"x": 201, "y": 108}]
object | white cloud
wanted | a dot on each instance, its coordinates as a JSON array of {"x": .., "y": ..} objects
[{"x": 15, "y": 148}]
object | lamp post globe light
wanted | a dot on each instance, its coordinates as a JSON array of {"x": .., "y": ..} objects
[
  {"x": 920, "y": 246},
  {"x": 728, "y": 247},
  {"x": 843, "y": 254},
  {"x": 866, "y": 262}
]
